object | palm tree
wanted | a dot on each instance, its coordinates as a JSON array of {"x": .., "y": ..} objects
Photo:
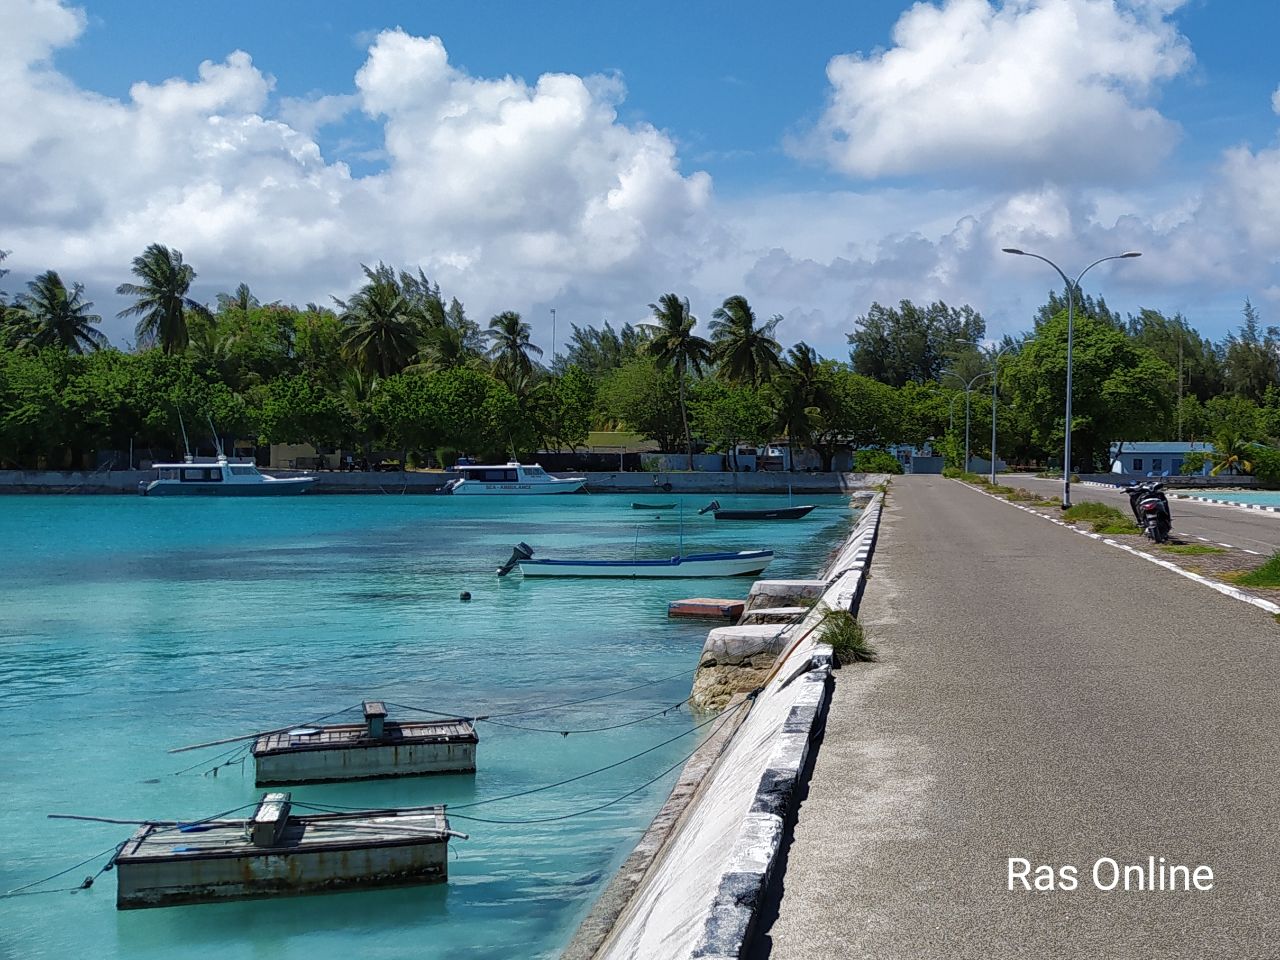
[
  {"x": 163, "y": 303},
  {"x": 675, "y": 347},
  {"x": 511, "y": 347},
  {"x": 381, "y": 328},
  {"x": 1231, "y": 453},
  {"x": 744, "y": 352},
  {"x": 801, "y": 390},
  {"x": 445, "y": 348},
  {"x": 51, "y": 315},
  {"x": 241, "y": 302}
]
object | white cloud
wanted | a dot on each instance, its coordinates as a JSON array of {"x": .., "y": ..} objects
[
  {"x": 1024, "y": 89},
  {"x": 505, "y": 192}
]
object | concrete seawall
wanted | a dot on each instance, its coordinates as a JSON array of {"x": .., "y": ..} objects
[
  {"x": 696, "y": 890},
  {"x": 648, "y": 484}
]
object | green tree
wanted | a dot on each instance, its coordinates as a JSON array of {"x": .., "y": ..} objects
[
  {"x": 911, "y": 343},
  {"x": 298, "y": 409},
  {"x": 645, "y": 399},
  {"x": 381, "y": 324},
  {"x": 510, "y": 347},
  {"x": 162, "y": 304},
  {"x": 728, "y": 415},
  {"x": 802, "y": 387},
  {"x": 50, "y": 315},
  {"x": 677, "y": 348},
  {"x": 598, "y": 351},
  {"x": 1252, "y": 357},
  {"x": 742, "y": 351},
  {"x": 563, "y": 409}
]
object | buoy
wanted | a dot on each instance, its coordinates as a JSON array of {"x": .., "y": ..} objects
[{"x": 464, "y": 596}]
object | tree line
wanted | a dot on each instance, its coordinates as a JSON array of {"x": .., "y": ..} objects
[{"x": 397, "y": 366}]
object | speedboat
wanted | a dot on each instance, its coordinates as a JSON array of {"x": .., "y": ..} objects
[
  {"x": 771, "y": 513},
  {"x": 509, "y": 478},
  {"x": 221, "y": 478}
]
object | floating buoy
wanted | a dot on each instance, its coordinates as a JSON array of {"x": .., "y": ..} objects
[{"x": 465, "y": 596}]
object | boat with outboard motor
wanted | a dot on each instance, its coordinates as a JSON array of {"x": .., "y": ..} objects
[
  {"x": 740, "y": 564},
  {"x": 509, "y": 478},
  {"x": 219, "y": 478},
  {"x": 773, "y": 513}
]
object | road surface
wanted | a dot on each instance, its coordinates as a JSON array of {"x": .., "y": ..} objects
[{"x": 1040, "y": 696}]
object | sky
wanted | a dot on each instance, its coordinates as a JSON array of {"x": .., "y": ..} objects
[{"x": 587, "y": 158}]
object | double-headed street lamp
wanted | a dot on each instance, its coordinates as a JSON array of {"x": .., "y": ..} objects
[
  {"x": 1071, "y": 288},
  {"x": 967, "y": 387}
]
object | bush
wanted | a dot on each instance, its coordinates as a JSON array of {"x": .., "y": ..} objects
[
  {"x": 843, "y": 632},
  {"x": 1103, "y": 517},
  {"x": 875, "y": 461},
  {"x": 1193, "y": 463}
]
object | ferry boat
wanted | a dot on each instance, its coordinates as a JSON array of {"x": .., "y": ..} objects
[
  {"x": 509, "y": 478},
  {"x": 221, "y": 478}
]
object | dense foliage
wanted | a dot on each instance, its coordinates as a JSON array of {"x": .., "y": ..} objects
[{"x": 395, "y": 367}]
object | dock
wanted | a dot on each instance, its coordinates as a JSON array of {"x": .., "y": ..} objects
[
  {"x": 275, "y": 853},
  {"x": 376, "y": 749}
]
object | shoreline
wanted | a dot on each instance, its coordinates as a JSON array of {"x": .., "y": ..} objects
[{"x": 118, "y": 482}]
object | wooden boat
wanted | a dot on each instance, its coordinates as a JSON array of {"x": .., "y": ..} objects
[
  {"x": 274, "y": 853},
  {"x": 653, "y": 506},
  {"x": 375, "y": 749},
  {"x": 740, "y": 564},
  {"x": 776, "y": 513},
  {"x": 706, "y": 608}
]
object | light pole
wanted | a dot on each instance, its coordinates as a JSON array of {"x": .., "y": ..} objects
[
  {"x": 995, "y": 379},
  {"x": 967, "y": 387},
  {"x": 553, "y": 336},
  {"x": 1071, "y": 288}
]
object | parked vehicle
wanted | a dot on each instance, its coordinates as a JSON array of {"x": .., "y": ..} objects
[{"x": 1151, "y": 509}]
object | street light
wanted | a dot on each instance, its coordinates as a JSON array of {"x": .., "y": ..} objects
[
  {"x": 967, "y": 387},
  {"x": 1071, "y": 287},
  {"x": 995, "y": 379}
]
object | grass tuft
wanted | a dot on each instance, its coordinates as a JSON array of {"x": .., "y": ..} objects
[
  {"x": 1103, "y": 517},
  {"x": 1191, "y": 549},
  {"x": 844, "y": 633},
  {"x": 1267, "y": 575}
]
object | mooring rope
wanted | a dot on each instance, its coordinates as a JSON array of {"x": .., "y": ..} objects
[
  {"x": 26, "y": 891},
  {"x": 612, "y": 726}
]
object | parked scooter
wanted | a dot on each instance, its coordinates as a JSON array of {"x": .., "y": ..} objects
[{"x": 1151, "y": 509}]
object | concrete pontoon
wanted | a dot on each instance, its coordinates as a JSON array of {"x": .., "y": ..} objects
[
  {"x": 371, "y": 750},
  {"x": 276, "y": 854}
]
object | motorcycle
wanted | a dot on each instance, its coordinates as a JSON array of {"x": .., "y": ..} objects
[{"x": 1150, "y": 509}]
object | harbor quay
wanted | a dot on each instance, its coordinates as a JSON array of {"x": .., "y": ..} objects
[{"x": 431, "y": 482}]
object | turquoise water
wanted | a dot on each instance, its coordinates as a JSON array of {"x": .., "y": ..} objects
[
  {"x": 132, "y": 625},
  {"x": 1268, "y": 498}
]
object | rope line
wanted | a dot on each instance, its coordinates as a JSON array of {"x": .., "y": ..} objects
[
  {"x": 613, "y": 726},
  {"x": 26, "y": 891},
  {"x": 579, "y": 813}
]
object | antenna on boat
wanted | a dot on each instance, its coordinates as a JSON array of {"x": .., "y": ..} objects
[
  {"x": 681, "y": 553},
  {"x": 217, "y": 441},
  {"x": 185, "y": 446}
]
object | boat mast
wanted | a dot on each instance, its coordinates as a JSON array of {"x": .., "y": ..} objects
[
  {"x": 217, "y": 441},
  {"x": 185, "y": 445}
]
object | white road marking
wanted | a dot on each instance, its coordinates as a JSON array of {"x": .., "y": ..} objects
[
  {"x": 1227, "y": 545},
  {"x": 1254, "y": 552}
]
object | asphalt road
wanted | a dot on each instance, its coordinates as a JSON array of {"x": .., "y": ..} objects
[
  {"x": 1257, "y": 530},
  {"x": 1043, "y": 696}
]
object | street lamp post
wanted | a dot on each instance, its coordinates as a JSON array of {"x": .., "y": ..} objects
[
  {"x": 1071, "y": 288},
  {"x": 968, "y": 387},
  {"x": 995, "y": 379}
]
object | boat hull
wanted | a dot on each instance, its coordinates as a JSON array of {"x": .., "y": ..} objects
[
  {"x": 475, "y": 488},
  {"x": 187, "y": 876},
  {"x": 374, "y": 762},
  {"x": 746, "y": 563},
  {"x": 779, "y": 513},
  {"x": 653, "y": 506},
  {"x": 286, "y": 487}
]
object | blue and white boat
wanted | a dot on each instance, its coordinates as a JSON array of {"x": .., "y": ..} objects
[
  {"x": 221, "y": 478},
  {"x": 740, "y": 564}
]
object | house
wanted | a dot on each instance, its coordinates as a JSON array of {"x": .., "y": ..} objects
[{"x": 1156, "y": 458}]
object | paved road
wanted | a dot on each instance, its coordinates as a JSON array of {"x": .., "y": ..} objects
[
  {"x": 1042, "y": 696},
  {"x": 1257, "y": 530}
]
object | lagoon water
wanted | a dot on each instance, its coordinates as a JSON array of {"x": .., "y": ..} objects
[{"x": 131, "y": 625}]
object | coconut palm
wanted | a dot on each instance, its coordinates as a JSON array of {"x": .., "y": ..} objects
[
  {"x": 241, "y": 302},
  {"x": 744, "y": 352},
  {"x": 162, "y": 303},
  {"x": 381, "y": 328},
  {"x": 800, "y": 389},
  {"x": 510, "y": 347},
  {"x": 49, "y": 314},
  {"x": 674, "y": 346},
  {"x": 1231, "y": 453}
]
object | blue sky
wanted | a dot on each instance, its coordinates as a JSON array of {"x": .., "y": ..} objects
[{"x": 815, "y": 158}]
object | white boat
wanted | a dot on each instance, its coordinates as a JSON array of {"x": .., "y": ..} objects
[
  {"x": 510, "y": 478},
  {"x": 220, "y": 478},
  {"x": 740, "y": 564}
]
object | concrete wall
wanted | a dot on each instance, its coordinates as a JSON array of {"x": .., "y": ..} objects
[{"x": 701, "y": 894}]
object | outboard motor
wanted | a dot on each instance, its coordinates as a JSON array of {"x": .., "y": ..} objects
[
  {"x": 521, "y": 551},
  {"x": 448, "y": 487},
  {"x": 713, "y": 505}
]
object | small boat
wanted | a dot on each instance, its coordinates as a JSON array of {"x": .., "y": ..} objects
[
  {"x": 774, "y": 513},
  {"x": 509, "y": 478},
  {"x": 376, "y": 749},
  {"x": 740, "y": 564},
  {"x": 274, "y": 853},
  {"x": 220, "y": 478},
  {"x": 653, "y": 506}
]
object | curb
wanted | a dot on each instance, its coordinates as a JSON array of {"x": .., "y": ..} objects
[
  {"x": 1226, "y": 503},
  {"x": 1227, "y": 590},
  {"x": 741, "y": 890}
]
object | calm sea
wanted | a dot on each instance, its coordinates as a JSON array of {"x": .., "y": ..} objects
[{"x": 130, "y": 625}]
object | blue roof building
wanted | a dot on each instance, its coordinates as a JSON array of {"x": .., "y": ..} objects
[{"x": 1156, "y": 458}]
